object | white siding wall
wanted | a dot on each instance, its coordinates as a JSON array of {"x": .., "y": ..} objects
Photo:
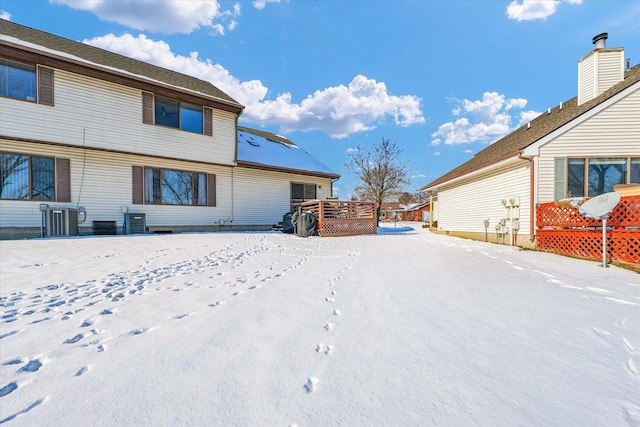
[
  {"x": 612, "y": 132},
  {"x": 464, "y": 206},
  {"x": 599, "y": 71},
  {"x": 587, "y": 79},
  {"x": 105, "y": 115},
  {"x": 102, "y": 183},
  {"x": 263, "y": 197}
]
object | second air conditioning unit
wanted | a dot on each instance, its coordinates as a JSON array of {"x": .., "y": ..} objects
[{"x": 134, "y": 223}]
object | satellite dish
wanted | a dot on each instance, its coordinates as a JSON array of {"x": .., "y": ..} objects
[{"x": 599, "y": 206}]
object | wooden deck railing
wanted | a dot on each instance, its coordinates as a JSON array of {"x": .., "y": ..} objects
[
  {"x": 561, "y": 229},
  {"x": 343, "y": 218}
]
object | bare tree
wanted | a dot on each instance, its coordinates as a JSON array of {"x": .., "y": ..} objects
[{"x": 381, "y": 172}]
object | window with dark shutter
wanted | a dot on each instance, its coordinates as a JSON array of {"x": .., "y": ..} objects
[
  {"x": 147, "y": 108},
  {"x": 137, "y": 187},
  {"x": 211, "y": 190},
  {"x": 45, "y": 86},
  {"x": 63, "y": 180},
  {"x": 208, "y": 121}
]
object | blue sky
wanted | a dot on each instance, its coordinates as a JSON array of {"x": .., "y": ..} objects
[{"x": 442, "y": 79}]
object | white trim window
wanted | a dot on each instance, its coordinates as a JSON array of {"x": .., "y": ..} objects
[
  {"x": 301, "y": 192},
  {"x": 591, "y": 176}
]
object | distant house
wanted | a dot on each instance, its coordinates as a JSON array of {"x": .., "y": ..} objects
[
  {"x": 95, "y": 142},
  {"x": 418, "y": 212},
  {"x": 392, "y": 211},
  {"x": 580, "y": 148}
]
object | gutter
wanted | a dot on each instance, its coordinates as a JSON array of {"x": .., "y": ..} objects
[{"x": 532, "y": 234}]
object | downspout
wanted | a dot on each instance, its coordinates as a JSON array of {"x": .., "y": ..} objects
[{"x": 532, "y": 234}]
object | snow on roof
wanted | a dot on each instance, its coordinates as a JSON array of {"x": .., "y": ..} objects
[{"x": 263, "y": 148}]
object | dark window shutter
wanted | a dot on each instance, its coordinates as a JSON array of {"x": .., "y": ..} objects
[
  {"x": 147, "y": 108},
  {"x": 208, "y": 121},
  {"x": 63, "y": 180},
  {"x": 45, "y": 86},
  {"x": 137, "y": 178},
  {"x": 211, "y": 190}
]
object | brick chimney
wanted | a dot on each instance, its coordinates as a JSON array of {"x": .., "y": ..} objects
[{"x": 599, "y": 69}]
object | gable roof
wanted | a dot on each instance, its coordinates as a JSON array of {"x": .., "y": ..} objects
[
  {"x": 537, "y": 129},
  {"x": 60, "y": 50},
  {"x": 265, "y": 150}
]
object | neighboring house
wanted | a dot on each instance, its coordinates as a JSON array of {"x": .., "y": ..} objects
[
  {"x": 392, "y": 211},
  {"x": 418, "y": 212},
  {"x": 580, "y": 148},
  {"x": 96, "y": 138}
]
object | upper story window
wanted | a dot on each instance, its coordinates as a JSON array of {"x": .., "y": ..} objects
[
  {"x": 590, "y": 177},
  {"x": 176, "y": 114},
  {"x": 26, "y": 82},
  {"x": 17, "y": 80}
]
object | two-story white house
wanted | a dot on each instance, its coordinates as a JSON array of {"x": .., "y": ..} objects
[
  {"x": 580, "y": 148},
  {"x": 95, "y": 142}
]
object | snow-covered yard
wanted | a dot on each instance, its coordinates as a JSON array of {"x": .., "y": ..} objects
[{"x": 400, "y": 328}]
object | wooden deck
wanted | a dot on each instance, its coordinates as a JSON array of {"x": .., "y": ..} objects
[
  {"x": 343, "y": 218},
  {"x": 561, "y": 229}
]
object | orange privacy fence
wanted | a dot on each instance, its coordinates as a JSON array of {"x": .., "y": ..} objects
[
  {"x": 561, "y": 229},
  {"x": 343, "y": 218}
]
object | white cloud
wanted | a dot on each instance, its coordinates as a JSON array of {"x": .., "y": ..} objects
[
  {"x": 338, "y": 111},
  {"x": 260, "y": 4},
  {"x": 527, "y": 116},
  {"x": 159, "y": 53},
  {"x": 529, "y": 10},
  {"x": 484, "y": 120},
  {"x": 167, "y": 16},
  {"x": 436, "y": 153},
  {"x": 5, "y": 15},
  {"x": 352, "y": 150}
]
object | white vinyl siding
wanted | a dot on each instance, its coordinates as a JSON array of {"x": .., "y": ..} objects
[
  {"x": 613, "y": 132},
  {"x": 463, "y": 207},
  {"x": 107, "y": 185},
  {"x": 93, "y": 113},
  {"x": 263, "y": 197},
  {"x": 598, "y": 71}
]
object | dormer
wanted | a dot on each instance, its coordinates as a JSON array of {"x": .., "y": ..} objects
[{"x": 599, "y": 69}]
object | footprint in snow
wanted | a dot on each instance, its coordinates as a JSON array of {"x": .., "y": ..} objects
[
  {"x": 311, "y": 384},
  {"x": 9, "y": 388},
  {"x": 328, "y": 326},
  {"x": 32, "y": 366},
  {"x": 81, "y": 371},
  {"x": 73, "y": 340},
  {"x": 23, "y": 411},
  {"x": 336, "y": 312}
]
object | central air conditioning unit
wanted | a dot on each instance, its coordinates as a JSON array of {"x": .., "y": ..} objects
[
  {"x": 134, "y": 223},
  {"x": 60, "y": 222}
]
